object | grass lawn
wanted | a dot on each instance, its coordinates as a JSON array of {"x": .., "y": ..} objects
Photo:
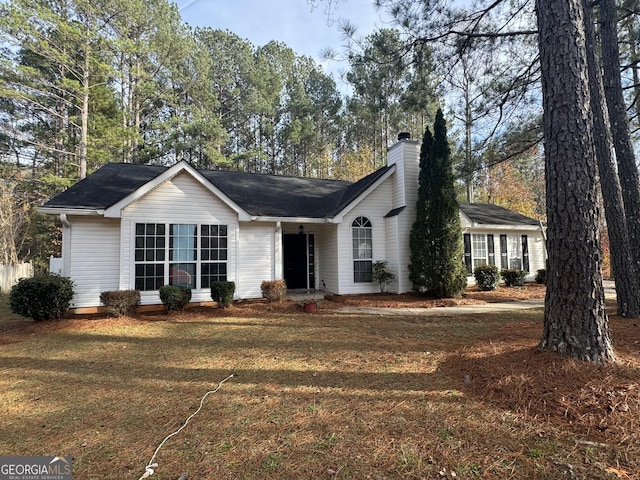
[{"x": 317, "y": 396}]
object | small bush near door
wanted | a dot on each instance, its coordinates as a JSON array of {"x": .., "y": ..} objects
[
  {"x": 274, "y": 290},
  {"x": 175, "y": 297},
  {"x": 222, "y": 293}
]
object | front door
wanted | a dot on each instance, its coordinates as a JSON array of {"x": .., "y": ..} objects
[{"x": 298, "y": 264}]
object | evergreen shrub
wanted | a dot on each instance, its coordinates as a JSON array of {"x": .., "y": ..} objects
[
  {"x": 274, "y": 290},
  {"x": 541, "y": 276},
  {"x": 436, "y": 264},
  {"x": 175, "y": 297},
  {"x": 487, "y": 277},
  {"x": 222, "y": 293},
  {"x": 513, "y": 277},
  {"x": 382, "y": 274},
  {"x": 120, "y": 302},
  {"x": 41, "y": 297}
]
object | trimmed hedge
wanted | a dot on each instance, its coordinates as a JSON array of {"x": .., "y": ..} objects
[
  {"x": 274, "y": 290},
  {"x": 541, "y": 276},
  {"x": 487, "y": 277},
  {"x": 41, "y": 297},
  {"x": 175, "y": 297},
  {"x": 120, "y": 302},
  {"x": 513, "y": 277},
  {"x": 222, "y": 293}
]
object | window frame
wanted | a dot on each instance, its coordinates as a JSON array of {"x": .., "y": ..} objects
[
  {"x": 185, "y": 255},
  {"x": 485, "y": 248},
  {"x": 362, "y": 257}
]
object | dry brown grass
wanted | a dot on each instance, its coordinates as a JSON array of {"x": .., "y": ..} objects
[{"x": 327, "y": 395}]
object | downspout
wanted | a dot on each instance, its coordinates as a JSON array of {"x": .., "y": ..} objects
[
  {"x": 544, "y": 239},
  {"x": 66, "y": 246},
  {"x": 236, "y": 294},
  {"x": 278, "y": 265},
  {"x": 64, "y": 220}
]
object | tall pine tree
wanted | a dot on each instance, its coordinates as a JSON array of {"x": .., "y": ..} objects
[{"x": 437, "y": 264}]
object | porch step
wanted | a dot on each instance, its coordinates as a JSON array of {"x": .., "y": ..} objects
[{"x": 301, "y": 295}]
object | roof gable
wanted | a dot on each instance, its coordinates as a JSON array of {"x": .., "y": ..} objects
[
  {"x": 169, "y": 173},
  {"x": 355, "y": 190}
]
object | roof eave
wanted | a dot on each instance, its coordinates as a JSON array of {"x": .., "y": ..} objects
[
  {"x": 275, "y": 219},
  {"x": 77, "y": 211},
  {"x": 489, "y": 226}
]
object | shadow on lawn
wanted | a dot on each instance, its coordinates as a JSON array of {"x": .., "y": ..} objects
[{"x": 112, "y": 373}]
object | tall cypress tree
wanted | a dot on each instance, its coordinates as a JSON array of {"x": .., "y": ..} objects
[{"x": 436, "y": 237}]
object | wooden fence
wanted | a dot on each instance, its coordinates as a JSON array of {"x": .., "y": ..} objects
[{"x": 10, "y": 274}]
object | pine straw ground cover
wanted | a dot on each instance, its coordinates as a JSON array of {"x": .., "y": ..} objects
[{"x": 323, "y": 395}]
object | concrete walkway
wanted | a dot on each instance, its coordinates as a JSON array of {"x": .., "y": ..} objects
[{"x": 444, "y": 311}]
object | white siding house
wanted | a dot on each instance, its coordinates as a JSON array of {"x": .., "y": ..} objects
[{"x": 140, "y": 227}]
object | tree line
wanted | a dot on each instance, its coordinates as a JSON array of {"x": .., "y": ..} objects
[{"x": 87, "y": 82}]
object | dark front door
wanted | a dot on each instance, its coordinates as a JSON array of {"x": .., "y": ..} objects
[{"x": 295, "y": 260}]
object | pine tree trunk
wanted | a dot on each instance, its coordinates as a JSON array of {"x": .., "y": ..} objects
[
  {"x": 575, "y": 319},
  {"x": 84, "y": 114},
  {"x": 627, "y": 280},
  {"x": 627, "y": 168}
]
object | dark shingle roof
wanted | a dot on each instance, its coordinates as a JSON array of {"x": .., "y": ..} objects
[
  {"x": 105, "y": 186},
  {"x": 260, "y": 195},
  {"x": 395, "y": 212},
  {"x": 484, "y": 213}
]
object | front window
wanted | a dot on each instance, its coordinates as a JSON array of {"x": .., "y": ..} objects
[
  {"x": 149, "y": 256},
  {"x": 514, "y": 247},
  {"x": 479, "y": 246},
  {"x": 179, "y": 254},
  {"x": 214, "y": 254},
  {"x": 362, "y": 250},
  {"x": 183, "y": 249}
]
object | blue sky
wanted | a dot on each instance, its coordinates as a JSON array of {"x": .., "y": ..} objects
[{"x": 307, "y": 30}]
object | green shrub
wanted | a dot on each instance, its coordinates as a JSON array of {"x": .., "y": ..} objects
[
  {"x": 487, "y": 277},
  {"x": 120, "y": 302},
  {"x": 541, "y": 276},
  {"x": 175, "y": 297},
  {"x": 382, "y": 274},
  {"x": 273, "y": 290},
  {"x": 41, "y": 297},
  {"x": 513, "y": 277},
  {"x": 222, "y": 293}
]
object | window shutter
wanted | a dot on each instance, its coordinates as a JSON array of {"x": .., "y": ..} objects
[
  {"x": 467, "y": 252},
  {"x": 525, "y": 253},
  {"x": 491, "y": 251},
  {"x": 504, "y": 256}
]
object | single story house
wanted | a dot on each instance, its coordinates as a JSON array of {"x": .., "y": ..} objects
[{"x": 131, "y": 226}]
